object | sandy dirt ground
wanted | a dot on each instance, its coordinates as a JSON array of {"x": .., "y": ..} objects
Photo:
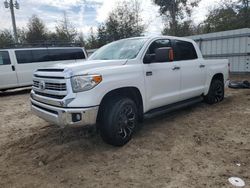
[{"x": 200, "y": 146}]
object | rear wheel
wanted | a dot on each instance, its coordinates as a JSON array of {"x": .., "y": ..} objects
[
  {"x": 216, "y": 92},
  {"x": 119, "y": 121}
]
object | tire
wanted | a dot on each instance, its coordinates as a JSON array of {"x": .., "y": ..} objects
[
  {"x": 215, "y": 93},
  {"x": 119, "y": 121}
]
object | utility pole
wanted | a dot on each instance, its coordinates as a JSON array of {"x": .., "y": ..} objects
[{"x": 11, "y": 5}]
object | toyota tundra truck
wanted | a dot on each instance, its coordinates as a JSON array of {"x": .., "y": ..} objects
[{"x": 126, "y": 81}]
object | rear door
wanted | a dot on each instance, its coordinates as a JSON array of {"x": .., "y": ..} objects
[
  {"x": 8, "y": 77},
  {"x": 193, "y": 73}
]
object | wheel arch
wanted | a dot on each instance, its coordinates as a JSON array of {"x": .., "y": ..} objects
[
  {"x": 219, "y": 76},
  {"x": 130, "y": 92}
]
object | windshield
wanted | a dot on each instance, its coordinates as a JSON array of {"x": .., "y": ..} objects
[{"x": 122, "y": 49}]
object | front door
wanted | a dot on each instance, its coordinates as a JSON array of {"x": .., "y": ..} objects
[{"x": 162, "y": 79}]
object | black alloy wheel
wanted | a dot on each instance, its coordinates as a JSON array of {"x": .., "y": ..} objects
[{"x": 118, "y": 121}]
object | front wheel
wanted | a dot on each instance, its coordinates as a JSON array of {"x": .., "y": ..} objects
[
  {"x": 119, "y": 121},
  {"x": 215, "y": 93}
]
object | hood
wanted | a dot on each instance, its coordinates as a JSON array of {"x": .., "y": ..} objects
[{"x": 84, "y": 67}]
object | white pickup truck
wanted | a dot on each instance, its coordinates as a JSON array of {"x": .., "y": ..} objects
[{"x": 126, "y": 81}]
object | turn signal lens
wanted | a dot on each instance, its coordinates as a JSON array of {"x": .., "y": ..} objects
[{"x": 97, "y": 79}]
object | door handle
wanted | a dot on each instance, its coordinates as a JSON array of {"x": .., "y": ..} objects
[
  {"x": 176, "y": 68},
  {"x": 13, "y": 67},
  {"x": 149, "y": 73},
  {"x": 202, "y": 66}
]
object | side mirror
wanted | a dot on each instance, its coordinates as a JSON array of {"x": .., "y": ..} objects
[
  {"x": 147, "y": 59},
  {"x": 165, "y": 54}
]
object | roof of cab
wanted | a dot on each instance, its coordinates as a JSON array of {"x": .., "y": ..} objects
[{"x": 161, "y": 36}]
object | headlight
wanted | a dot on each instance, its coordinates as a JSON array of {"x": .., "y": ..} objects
[{"x": 85, "y": 82}]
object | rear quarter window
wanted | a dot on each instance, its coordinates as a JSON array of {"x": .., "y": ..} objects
[
  {"x": 4, "y": 58},
  {"x": 184, "y": 51}
]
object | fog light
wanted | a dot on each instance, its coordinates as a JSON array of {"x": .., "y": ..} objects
[{"x": 76, "y": 117}]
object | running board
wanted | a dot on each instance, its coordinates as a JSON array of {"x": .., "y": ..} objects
[{"x": 172, "y": 107}]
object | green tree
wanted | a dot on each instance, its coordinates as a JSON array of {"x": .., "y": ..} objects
[
  {"x": 80, "y": 39},
  {"x": 6, "y": 39},
  {"x": 37, "y": 32},
  {"x": 221, "y": 19},
  {"x": 92, "y": 41},
  {"x": 65, "y": 31},
  {"x": 102, "y": 36},
  {"x": 186, "y": 28},
  {"x": 176, "y": 14},
  {"x": 52, "y": 37},
  {"x": 123, "y": 22},
  {"x": 243, "y": 7},
  {"x": 228, "y": 15}
]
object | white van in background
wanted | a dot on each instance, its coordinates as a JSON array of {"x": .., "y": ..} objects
[{"x": 17, "y": 65}]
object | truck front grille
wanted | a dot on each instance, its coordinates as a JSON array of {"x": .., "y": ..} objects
[{"x": 52, "y": 86}]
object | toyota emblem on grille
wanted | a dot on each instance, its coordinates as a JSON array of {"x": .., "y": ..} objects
[{"x": 42, "y": 85}]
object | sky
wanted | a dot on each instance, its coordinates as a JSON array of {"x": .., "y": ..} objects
[{"x": 85, "y": 14}]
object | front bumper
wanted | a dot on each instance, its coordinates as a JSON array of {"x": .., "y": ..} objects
[{"x": 64, "y": 116}]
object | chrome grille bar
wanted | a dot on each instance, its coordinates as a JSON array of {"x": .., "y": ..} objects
[
  {"x": 50, "y": 92},
  {"x": 52, "y": 86}
]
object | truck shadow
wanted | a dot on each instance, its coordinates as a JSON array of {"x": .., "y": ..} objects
[{"x": 15, "y": 92}]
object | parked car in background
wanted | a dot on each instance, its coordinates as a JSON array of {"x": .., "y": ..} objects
[
  {"x": 126, "y": 81},
  {"x": 17, "y": 65}
]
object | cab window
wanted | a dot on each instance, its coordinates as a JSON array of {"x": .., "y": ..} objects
[
  {"x": 161, "y": 43},
  {"x": 4, "y": 58}
]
